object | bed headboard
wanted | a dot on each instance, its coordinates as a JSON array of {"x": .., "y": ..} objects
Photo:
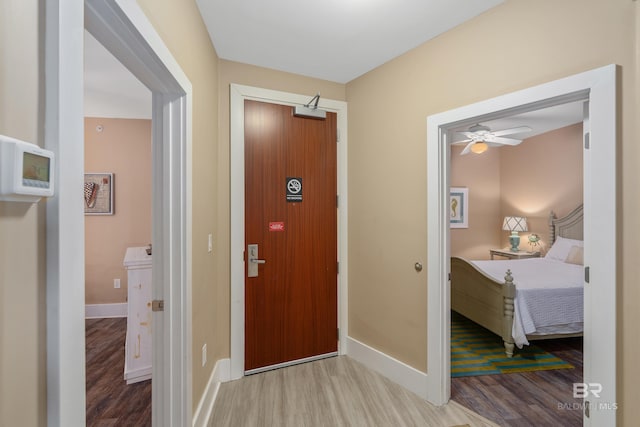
[{"x": 570, "y": 226}]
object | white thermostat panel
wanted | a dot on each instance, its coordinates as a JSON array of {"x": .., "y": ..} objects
[{"x": 26, "y": 171}]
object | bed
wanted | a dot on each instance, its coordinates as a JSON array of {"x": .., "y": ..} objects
[{"x": 527, "y": 299}]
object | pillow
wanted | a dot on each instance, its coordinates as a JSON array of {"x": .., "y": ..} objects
[
  {"x": 575, "y": 255},
  {"x": 561, "y": 248}
]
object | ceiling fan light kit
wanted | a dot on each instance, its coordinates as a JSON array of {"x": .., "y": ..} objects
[{"x": 479, "y": 147}]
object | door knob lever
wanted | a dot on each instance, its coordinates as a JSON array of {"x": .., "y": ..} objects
[{"x": 254, "y": 261}]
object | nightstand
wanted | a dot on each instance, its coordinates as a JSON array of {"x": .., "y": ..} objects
[{"x": 513, "y": 255}]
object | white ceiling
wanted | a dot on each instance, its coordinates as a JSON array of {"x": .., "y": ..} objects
[
  {"x": 335, "y": 40},
  {"x": 110, "y": 90},
  {"x": 540, "y": 121}
]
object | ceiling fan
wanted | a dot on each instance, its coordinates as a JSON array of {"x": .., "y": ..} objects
[{"x": 479, "y": 137}]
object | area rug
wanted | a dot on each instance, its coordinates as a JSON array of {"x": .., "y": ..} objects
[{"x": 477, "y": 351}]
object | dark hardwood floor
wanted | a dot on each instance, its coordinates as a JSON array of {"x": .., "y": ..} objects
[
  {"x": 542, "y": 398},
  {"x": 110, "y": 401}
]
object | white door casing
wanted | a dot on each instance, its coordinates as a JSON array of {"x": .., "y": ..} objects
[
  {"x": 122, "y": 27},
  {"x": 238, "y": 93},
  {"x": 598, "y": 88}
]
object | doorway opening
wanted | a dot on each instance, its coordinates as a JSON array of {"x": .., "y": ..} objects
[
  {"x": 117, "y": 146},
  {"x": 527, "y": 181},
  {"x": 598, "y": 88},
  {"x": 125, "y": 31}
]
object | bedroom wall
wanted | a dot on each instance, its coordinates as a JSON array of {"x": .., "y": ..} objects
[
  {"x": 22, "y": 227},
  {"x": 480, "y": 174},
  {"x": 123, "y": 148},
  {"x": 179, "y": 24},
  {"x": 525, "y": 43},
  {"x": 541, "y": 174}
]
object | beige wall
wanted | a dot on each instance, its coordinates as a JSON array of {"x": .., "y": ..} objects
[
  {"x": 180, "y": 25},
  {"x": 22, "y": 227},
  {"x": 123, "y": 148},
  {"x": 541, "y": 174},
  {"x": 520, "y": 44}
]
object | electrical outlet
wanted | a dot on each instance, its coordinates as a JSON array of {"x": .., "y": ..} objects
[
  {"x": 116, "y": 283},
  {"x": 204, "y": 355},
  {"x": 210, "y": 242}
]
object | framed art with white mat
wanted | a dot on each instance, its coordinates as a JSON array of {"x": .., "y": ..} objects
[{"x": 98, "y": 194}]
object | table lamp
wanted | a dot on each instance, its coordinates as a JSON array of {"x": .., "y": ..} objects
[{"x": 514, "y": 224}]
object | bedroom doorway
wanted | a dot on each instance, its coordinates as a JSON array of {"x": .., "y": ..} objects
[
  {"x": 522, "y": 181},
  {"x": 598, "y": 88}
]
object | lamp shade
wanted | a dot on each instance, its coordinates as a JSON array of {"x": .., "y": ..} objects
[{"x": 514, "y": 223}]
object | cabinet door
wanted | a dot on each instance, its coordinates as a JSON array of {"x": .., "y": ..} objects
[{"x": 138, "y": 346}]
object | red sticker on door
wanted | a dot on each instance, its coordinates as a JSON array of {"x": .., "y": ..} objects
[{"x": 276, "y": 226}]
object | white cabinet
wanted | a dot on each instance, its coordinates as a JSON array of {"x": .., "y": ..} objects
[{"x": 137, "y": 363}]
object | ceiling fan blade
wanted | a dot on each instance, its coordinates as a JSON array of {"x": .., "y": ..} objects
[
  {"x": 463, "y": 141},
  {"x": 510, "y": 131},
  {"x": 505, "y": 141},
  {"x": 467, "y": 148},
  {"x": 467, "y": 134}
]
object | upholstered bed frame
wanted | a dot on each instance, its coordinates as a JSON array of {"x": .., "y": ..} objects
[{"x": 489, "y": 303}]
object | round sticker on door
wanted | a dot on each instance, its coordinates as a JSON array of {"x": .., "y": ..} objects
[{"x": 294, "y": 189}]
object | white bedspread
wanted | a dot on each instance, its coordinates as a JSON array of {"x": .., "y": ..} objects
[{"x": 549, "y": 295}]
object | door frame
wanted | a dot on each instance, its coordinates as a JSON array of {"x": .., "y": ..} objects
[
  {"x": 598, "y": 87},
  {"x": 123, "y": 28},
  {"x": 238, "y": 94}
]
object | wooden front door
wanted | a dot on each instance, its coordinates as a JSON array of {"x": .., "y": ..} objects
[{"x": 291, "y": 215}]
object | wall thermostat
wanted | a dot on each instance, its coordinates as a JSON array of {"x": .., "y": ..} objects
[{"x": 26, "y": 171}]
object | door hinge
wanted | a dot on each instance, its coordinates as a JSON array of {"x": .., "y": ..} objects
[
  {"x": 449, "y": 276},
  {"x": 337, "y": 135},
  {"x": 338, "y": 267},
  {"x": 338, "y": 333},
  {"x": 587, "y": 139},
  {"x": 157, "y": 305},
  {"x": 586, "y": 274},
  {"x": 586, "y": 408}
]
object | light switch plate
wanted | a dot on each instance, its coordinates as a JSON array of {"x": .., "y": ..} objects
[{"x": 204, "y": 355}]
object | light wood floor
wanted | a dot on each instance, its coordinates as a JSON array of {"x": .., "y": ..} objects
[
  {"x": 331, "y": 392},
  {"x": 334, "y": 392}
]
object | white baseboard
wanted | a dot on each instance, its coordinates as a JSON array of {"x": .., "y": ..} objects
[
  {"x": 395, "y": 370},
  {"x": 100, "y": 311},
  {"x": 221, "y": 373}
]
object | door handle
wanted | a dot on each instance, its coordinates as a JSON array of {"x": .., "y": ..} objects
[{"x": 252, "y": 268}]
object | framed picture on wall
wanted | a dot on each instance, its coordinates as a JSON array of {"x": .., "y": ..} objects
[
  {"x": 98, "y": 194},
  {"x": 459, "y": 207}
]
